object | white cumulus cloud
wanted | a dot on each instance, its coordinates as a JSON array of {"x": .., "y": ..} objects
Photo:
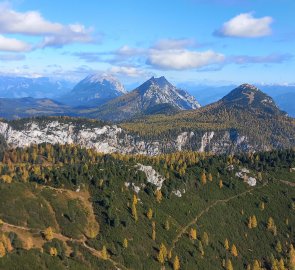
[
  {"x": 32, "y": 23},
  {"x": 246, "y": 26},
  {"x": 13, "y": 45},
  {"x": 183, "y": 59}
]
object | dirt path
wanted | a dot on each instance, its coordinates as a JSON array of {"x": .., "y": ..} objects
[
  {"x": 195, "y": 220},
  {"x": 291, "y": 184},
  {"x": 59, "y": 236}
]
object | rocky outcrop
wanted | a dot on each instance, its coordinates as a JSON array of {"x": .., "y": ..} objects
[{"x": 112, "y": 138}]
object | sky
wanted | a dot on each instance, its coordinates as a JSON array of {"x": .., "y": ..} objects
[{"x": 193, "y": 41}]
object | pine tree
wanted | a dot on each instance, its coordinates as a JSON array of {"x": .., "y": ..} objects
[
  {"x": 234, "y": 250},
  {"x": 104, "y": 253},
  {"x": 154, "y": 230},
  {"x": 176, "y": 263},
  {"x": 149, "y": 214},
  {"x": 229, "y": 265},
  {"x": 226, "y": 244},
  {"x": 200, "y": 248}
]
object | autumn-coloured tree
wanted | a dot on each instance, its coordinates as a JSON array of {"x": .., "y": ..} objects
[
  {"x": 256, "y": 265},
  {"x": 261, "y": 206},
  {"x": 234, "y": 250},
  {"x": 193, "y": 234},
  {"x": 163, "y": 249},
  {"x": 226, "y": 244},
  {"x": 220, "y": 184},
  {"x": 254, "y": 221},
  {"x": 250, "y": 223},
  {"x": 53, "y": 251},
  {"x": 2, "y": 250},
  {"x": 135, "y": 200},
  {"x": 125, "y": 243},
  {"x": 149, "y": 214},
  {"x": 134, "y": 212},
  {"x": 104, "y": 253},
  {"x": 48, "y": 234},
  {"x": 159, "y": 196},
  {"x": 176, "y": 263},
  {"x": 210, "y": 177},
  {"x": 161, "y": 257},
  {"x": 205, "y": 239},
  {"x": 203, "y": 178},
  {"x": 279, "y": 247},
  {"x": 229, "y": 265},
  {"x": 291, "y": 259}
]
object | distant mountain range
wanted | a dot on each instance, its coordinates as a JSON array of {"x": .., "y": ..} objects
[
  {"x": 104, "y": 97},
  {"x": 43, "y": 87},
  {"x": 154, "y": 96}
]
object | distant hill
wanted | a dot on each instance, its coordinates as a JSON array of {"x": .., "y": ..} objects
[
  {"x": 94, "y": 90},
  {"x": 14, "y": 108},
  {"x": 156, "y": 95}
]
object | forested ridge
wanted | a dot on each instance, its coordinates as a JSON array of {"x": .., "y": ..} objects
[{"x": 87, "y": 210}]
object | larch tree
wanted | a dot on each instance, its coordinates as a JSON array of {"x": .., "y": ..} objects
[
  {"x": 203, "y": 178},
  {"x": 2, "y": 250},
  {"x": 193, "y": 234},
  {"x": 125, "y": 243},
  {"x": 220, "y": 184},
  {"x": 154, "y": 230},
  {"x": 134, "y": 212},
  {"x": 149, "y": 214},
  {"x": 104, "y": 253},
  {"x": 159, "y": 196},
  {"x": 53, "y": 251},
  {"x": 205, "y": 239},
  {"x": 48, "y": 234},
  {"x": 229, "y": 265},
  {"x": 254, "y": 221},
  {"x": 234, "y": 250},
  {"x": 176, "y": 263},
  {"x": 210, "y": 177},
  {"x": 226, "y": 244},
  {"x": 291, "y": 259},
  {"x": 279, "y": 247}
]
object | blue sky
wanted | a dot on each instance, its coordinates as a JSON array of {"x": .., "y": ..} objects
[{"x": 196, "y": 41}]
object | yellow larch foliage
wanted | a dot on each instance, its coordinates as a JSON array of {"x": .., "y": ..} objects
[
  {"x": 220, "y": 184},
  {"x": 134, "y": 212},
  {"x": 193, "y": 234},
  {"x": 159, "y": 196},
  {"x": 176, "y": 263},
  {"x": 254, "y": 221},
  {"x": 104, "y": 253},
  {"x": 48, "y": 234},
  {"x": 125, "y": 243},
  {"x": 53, "y": 251},
  {"x": 149, "y": 214},
  {"x": 234, "y": 250},
  {"x": 229, "y": 265},
  {"x": 2, "y": 250},
  {"x": 226, "y": 244},
  {"x": 203, "y": 178}
]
